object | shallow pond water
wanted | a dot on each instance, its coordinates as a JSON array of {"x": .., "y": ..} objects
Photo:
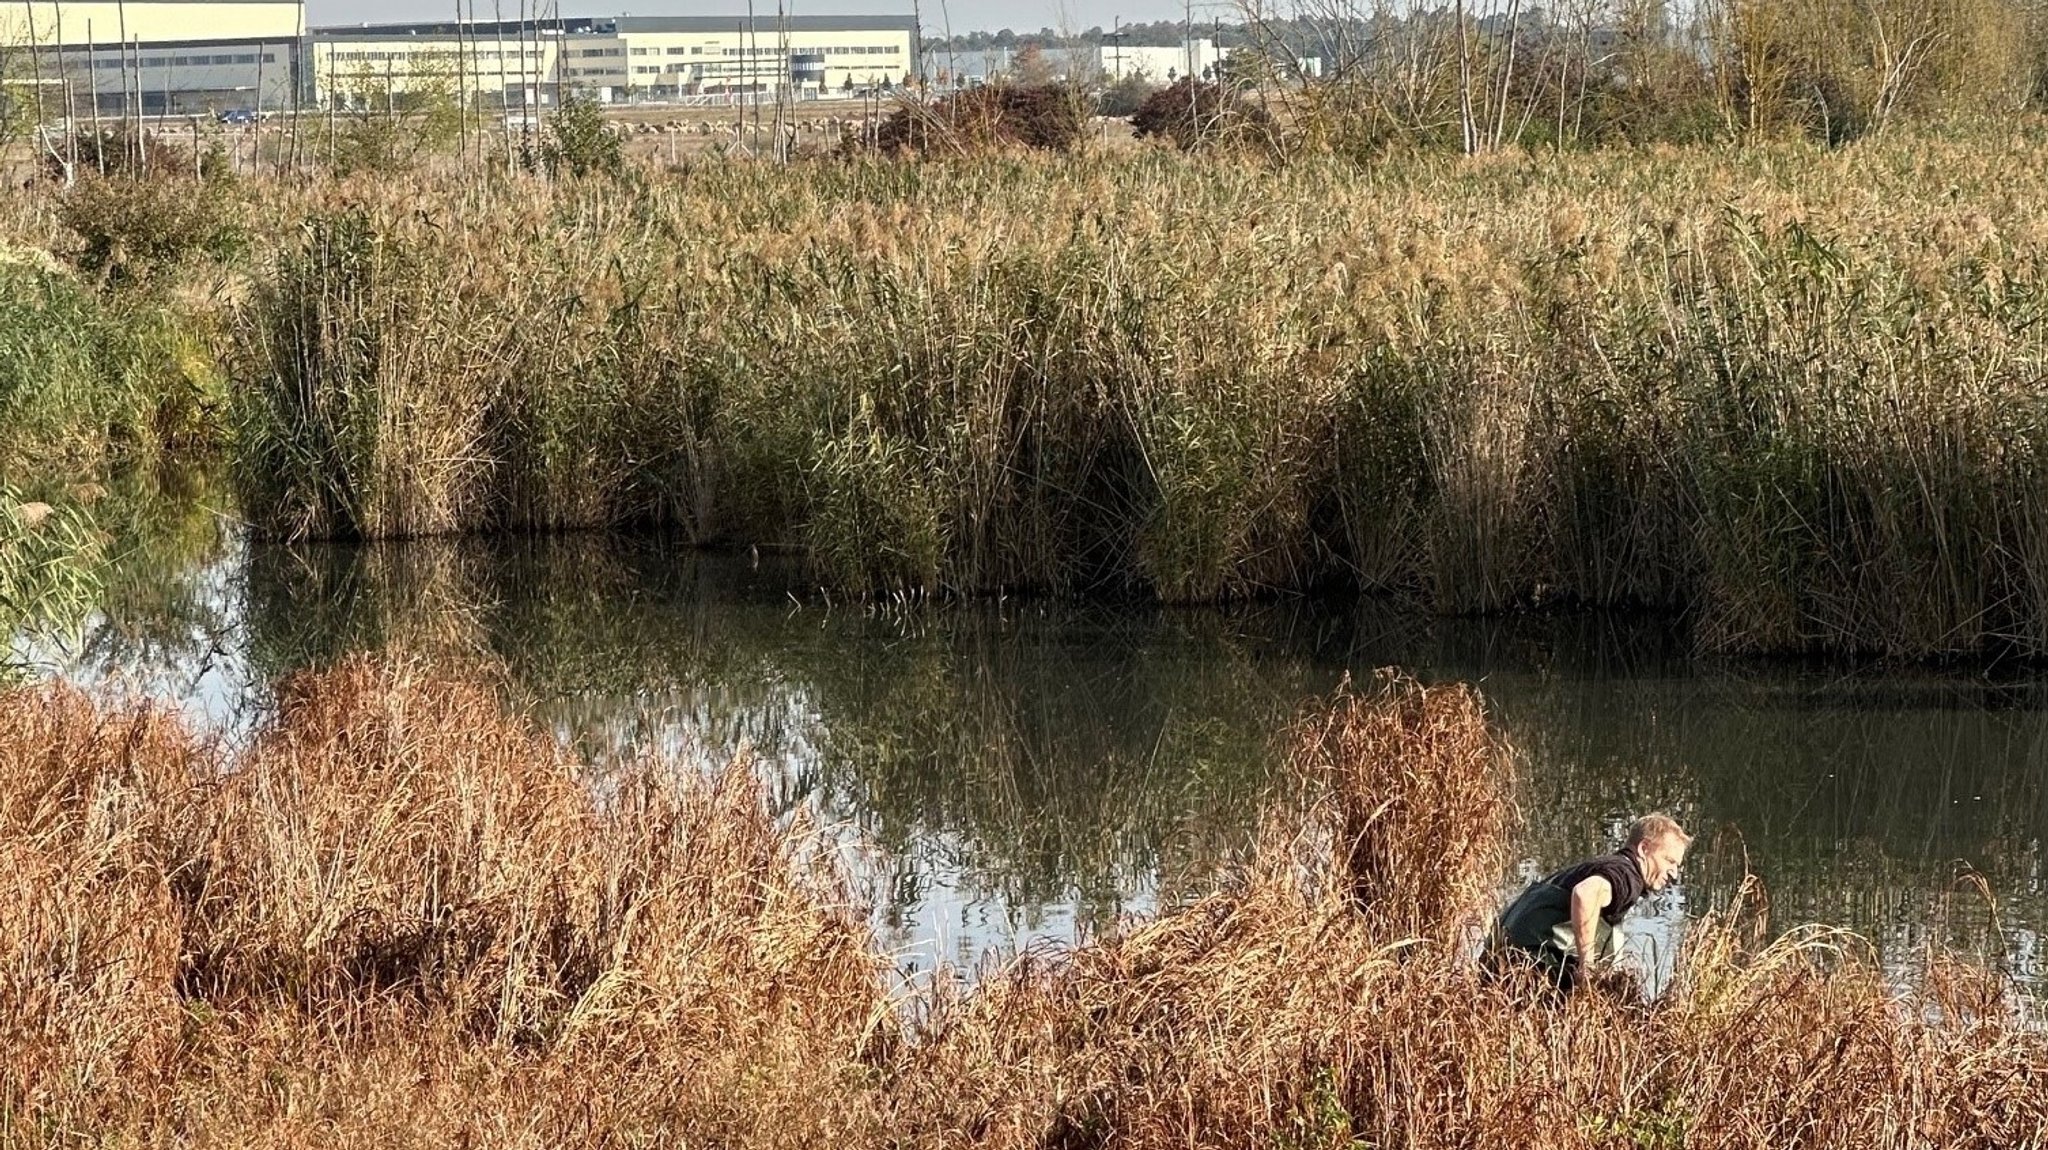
[{"x": 1023, "y": 770}]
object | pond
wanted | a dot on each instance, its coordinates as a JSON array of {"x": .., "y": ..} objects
[{"x": 1023, "y": 770}]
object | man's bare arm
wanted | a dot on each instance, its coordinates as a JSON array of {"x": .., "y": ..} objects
[{"x": 1589, "y": 898}]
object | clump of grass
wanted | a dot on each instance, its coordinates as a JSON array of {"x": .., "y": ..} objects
[
  {"x": 1410, "y": 773},
  {"x": 359, "y": 415},
  {"x": 92, "y": 821},
  {"x": 49, "y": 565},
  {"x": 1051, "y": 117},
  {"x": 392, "y": 859},
  {"x": 91, "y": 384},
  {"x": 132, "y": 229},
  {"x": 407, "y": 379}
]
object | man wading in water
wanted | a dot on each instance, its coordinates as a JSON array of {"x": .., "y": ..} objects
[{"x": 1573, "y": 914}]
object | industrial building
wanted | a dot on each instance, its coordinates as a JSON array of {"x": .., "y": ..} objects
[
  {"x": 509, "y": 63},
  {"x": 164, "y": 56},
  {"x": 185, "y": 56},
  {"x": 612, "y": 59},
  {"x": 1198, "y": 58}
]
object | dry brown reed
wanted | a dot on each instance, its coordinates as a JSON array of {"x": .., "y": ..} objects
[
  {"x": 400, "y": 918},
  {"x": 89, "y": 930},
  {"x": 392, "y": 863},
  {"x": 1421, "y": 789}
]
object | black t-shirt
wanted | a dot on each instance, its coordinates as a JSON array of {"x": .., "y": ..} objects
[
  {"x": 1528, "y": 920},
  {"x": 1623, "y": 874}
]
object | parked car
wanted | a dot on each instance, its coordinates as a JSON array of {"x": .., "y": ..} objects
[{"x": 235, "y": 116}]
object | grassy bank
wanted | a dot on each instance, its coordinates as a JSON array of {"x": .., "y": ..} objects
[
  {"x": 402, "y": 917},
  {"x": 99, "y": 392},
  {"x": 1791, "y": 393}
]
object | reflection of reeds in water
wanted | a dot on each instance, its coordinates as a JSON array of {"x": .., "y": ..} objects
[
  {"x": 403, "y": 917},
  {"x": 1039, "y": 756},
  {"x": 1087, "y": 762},
  {"x": 309, "y": 608},
  {"x": 1079, "y": 755},
  {"x": 162, "y": 602}
]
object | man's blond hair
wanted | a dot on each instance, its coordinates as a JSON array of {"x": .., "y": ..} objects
[{"x": 1654, "y": 829}]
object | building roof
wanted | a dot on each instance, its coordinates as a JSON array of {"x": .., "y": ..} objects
[
  {"x": 478, "y": 28},
  {"x": 613, "y": 25},
  {"x": 115, "y": 46},
  {"x": 767, "y": 23}
]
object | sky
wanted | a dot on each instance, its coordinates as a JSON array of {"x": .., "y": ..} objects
[{"x": 965, "y": 15}]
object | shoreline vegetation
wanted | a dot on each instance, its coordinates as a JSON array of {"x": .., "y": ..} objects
[
  {"x": 1790, "y": 394},
  {"x": 1787, "y": 395},
  {"x": 400, "y": 915}
]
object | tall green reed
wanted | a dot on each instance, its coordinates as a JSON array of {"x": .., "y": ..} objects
[{"x": 1786, "y": 392}]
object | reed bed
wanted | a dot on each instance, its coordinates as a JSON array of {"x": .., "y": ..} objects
[
  {"x": 1793, "y": 394},
  {"x": 393, "y": 872},
  {"x": 397, "y": 915}
]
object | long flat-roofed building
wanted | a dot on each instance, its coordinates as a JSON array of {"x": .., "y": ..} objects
[
  {"x": 665, "y": 57},
  {"x": 514, "y": 63},
  {"x": 614, "y": 59},
  {"x": 183, "y": 56},
  {"x": 163, "y": 56}
]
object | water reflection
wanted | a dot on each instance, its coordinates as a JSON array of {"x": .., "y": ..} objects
[{"x": 1023, "y": 769}]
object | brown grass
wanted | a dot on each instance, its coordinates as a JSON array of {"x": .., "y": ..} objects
[
  {"x": 1417, "y": 790},
  {"x": 399, "y": 917},
  {"x": 395, "y": 883}
]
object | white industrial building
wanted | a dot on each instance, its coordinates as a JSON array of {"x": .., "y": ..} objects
[
  {"x": 1197, "y": 58},
  {"x": 184, "y": 56},
  {"x": 624, "y": 58},
  {"x": 165, "y": 56},
  {"x": 700, "y": 55},
  {"x": 508, "y": 62}
]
